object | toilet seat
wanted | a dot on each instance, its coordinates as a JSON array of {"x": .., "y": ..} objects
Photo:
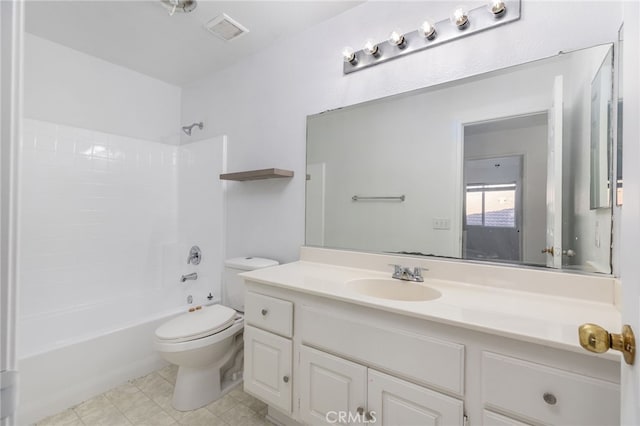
[
  {"x": 170, "y": 346},
  {"x": 195, "y": 325}
]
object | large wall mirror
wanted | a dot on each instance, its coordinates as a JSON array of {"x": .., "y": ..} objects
[{"x": 511, "y": 166}]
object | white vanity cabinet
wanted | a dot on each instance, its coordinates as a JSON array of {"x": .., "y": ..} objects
[
  {"x": 330, "y": 387},
  {"x": 268, "y": 350},
  {"x": 399, "y": 370}
]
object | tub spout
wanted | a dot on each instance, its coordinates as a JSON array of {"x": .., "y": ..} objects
[{"x": 191, "y": 276}]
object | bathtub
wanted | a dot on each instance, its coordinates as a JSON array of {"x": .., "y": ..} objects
[{"x": 70, "y": 356}]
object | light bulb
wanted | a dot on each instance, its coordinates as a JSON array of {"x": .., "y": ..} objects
[
  {"x": 349, "y": 55},
  {"x": 370, "y": 47},
  {"x": 460, "y": 17},
  {"x": 396, "y": 38},
  {"x": 497, "y": 8},
  {"x": 427, "y": 30}
]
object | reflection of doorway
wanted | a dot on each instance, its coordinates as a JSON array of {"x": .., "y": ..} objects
[
  {"x": 493, "y": 208},
  {"x": 505, "y": 189}
]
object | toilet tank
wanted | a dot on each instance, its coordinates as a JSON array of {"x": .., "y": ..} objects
[{"x": 233, "y": 285}]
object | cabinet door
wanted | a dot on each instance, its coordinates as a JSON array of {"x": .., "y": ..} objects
[
  {"x": 490, "y": 418},
  {"x": 267, "y": 367},
  {"x": 395, "y": 402},
  {"x": 331, "y": 389}
]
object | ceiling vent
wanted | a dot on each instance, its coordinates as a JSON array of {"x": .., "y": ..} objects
[{"x": 225, "y": 27}]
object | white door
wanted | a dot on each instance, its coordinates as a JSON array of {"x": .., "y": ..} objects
[
  {"x": 11, "y": 32},
  {"x": 267, "y": 367},
  {"x": 331, "y": 387},
  {"x": 393, "y": 402},
  {"x": 630, "y": 238},
  {"x": 554, "y": 178}
]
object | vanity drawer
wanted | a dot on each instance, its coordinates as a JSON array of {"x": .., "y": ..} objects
[
  {"x": 417, "y": 357},
  {"x": 545, "y": 394},
  {"x": 269, "y": 313}
]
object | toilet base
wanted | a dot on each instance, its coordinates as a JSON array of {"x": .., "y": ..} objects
[
  {"x": 199, "y": 386},
  {"x": 196, "y": 387}
]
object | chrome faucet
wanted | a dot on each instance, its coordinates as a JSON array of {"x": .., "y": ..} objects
[
  {"x": 191, "y": 276},
  {"x": 406, "y": 274}
]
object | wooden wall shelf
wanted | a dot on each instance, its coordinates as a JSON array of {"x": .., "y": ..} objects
[{"x": 257, "y": 174}]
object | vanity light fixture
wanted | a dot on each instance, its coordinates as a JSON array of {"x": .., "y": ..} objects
[
  {"x": 497, "y": 8},
  {"x": 397, "y": 39},
  {"x": 427, "y": 30},
  {"x": 371, "y": 48},
  {"x": 349, "y": 55},
  {"x": 463, "y": 22},
  {"x": 460, "y": 18}
]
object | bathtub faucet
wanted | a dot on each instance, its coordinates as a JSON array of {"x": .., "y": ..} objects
[{"x": 191, "y": 276}]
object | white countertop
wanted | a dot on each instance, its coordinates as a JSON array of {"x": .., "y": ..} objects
[{"x": 540, "y": 318}]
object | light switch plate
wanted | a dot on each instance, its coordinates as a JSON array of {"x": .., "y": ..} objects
[{"x": 441, "y": 223}]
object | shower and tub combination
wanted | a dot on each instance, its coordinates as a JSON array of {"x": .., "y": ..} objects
[{"x": 106, "y": 225}]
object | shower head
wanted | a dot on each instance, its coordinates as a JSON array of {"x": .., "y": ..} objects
[
  {"x": 187, "y": 129},
  {"x": 179, "y": 5}
]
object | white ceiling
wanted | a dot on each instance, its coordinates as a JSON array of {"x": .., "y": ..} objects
[{"x": 140, "y": 35}]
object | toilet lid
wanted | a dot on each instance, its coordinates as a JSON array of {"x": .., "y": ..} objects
[{"x": 197, "y": 324}]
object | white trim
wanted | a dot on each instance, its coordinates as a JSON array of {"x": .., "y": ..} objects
[
  {"x": 11, "y": 40},
  {"x": 630, "y": 227}
]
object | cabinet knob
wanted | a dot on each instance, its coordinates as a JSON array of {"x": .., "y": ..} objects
[
  {"x": 264, "y": 311},
  {"x": 285, "y": 379},
  {"x": 596, "y": 339},
  {"x": 549, "y": 398},
  {"x": 360, "y": 410}
]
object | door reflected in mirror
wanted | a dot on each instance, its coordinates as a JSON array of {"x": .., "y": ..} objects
[
  {"x": 601, "y": 149},
  {"x": 495, "y": 167}
]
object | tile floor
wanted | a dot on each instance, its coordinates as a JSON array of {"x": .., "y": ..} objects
[{"x": 147, "y": 401}]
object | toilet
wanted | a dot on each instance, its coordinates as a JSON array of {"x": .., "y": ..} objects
[{"x": 206, "y": 344}]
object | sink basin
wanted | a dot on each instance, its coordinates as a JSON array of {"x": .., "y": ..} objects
[{"x": 386, "y": 288}]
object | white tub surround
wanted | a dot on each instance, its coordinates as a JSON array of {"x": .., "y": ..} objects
[
  {"x": 106, "y": 225},
  {"x": 499, "y": 344}
]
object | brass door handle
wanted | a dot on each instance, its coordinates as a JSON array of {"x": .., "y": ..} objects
[
  {"x": 596, "y": 339},
  {"x": 548, "y": 250}
]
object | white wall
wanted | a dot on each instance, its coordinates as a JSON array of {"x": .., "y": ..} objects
[
  {"x": 68, "y": 87},
  {"x": 262, "y": 102}
]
